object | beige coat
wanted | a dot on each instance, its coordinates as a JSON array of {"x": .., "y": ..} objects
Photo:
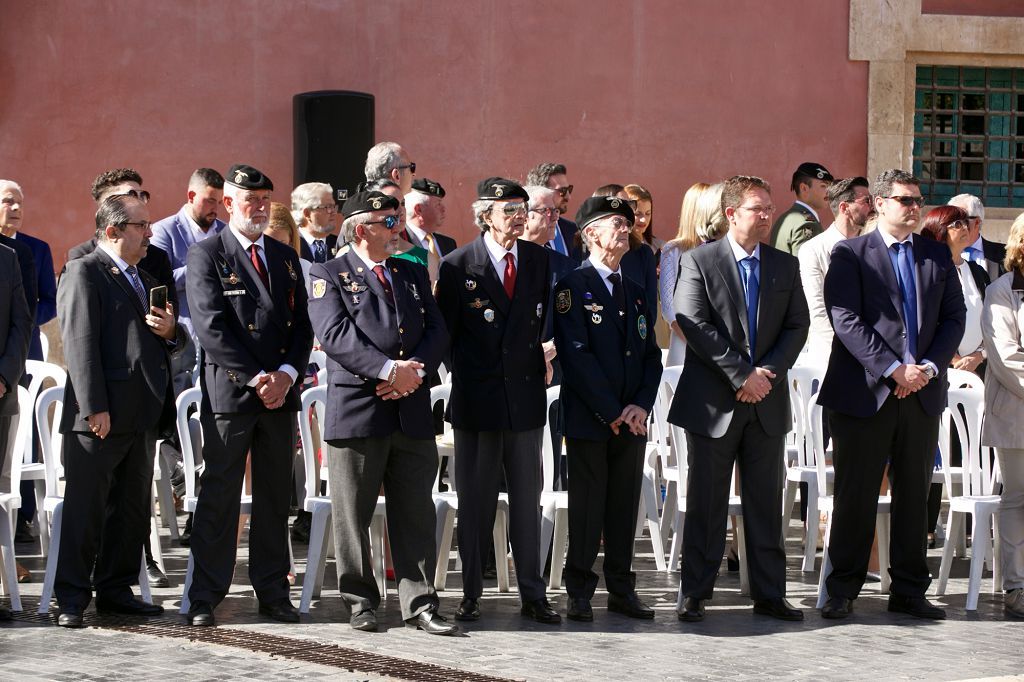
[{"x": 1002, "y": 320}]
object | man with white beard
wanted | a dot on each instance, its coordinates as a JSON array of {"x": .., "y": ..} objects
[{"x": 248, "y": 306}]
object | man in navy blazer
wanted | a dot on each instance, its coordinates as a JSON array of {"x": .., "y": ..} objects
[
  {"x": 382, "y": 331},
  {"x": 196, "y": 221},
  {"x": 897, "y": 308}
]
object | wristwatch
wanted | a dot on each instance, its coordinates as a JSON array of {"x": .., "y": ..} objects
[{"x": 930, "y": 371}]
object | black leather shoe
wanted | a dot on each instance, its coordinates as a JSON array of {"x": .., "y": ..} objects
[
  {"x": 630, "y": 605},
  {"x": 777, "y": 608},
  {"x": 918, "y": 607},
  {"x": 469, "y": 609},
  {"x": 579, "y": 609},
  {"x": 200, "y": 614},
  {"x": 157, "y": 578},
  {"x": 69, "y": 618},
  {"x": 540, "y": 610},
  {"x": 692, "y": 611},
  {"x": 836, "y": 608},
  {"x": 5, "y": 613},
  {"x": 185, "y": 537},
  {"x": 365, "y": 621},
  {"x": 129, "y": 605},
  {"x": 282, "y": 611},
  {"x": 432, "y": 623}
]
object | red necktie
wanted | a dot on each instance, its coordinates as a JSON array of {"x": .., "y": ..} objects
[
  {"x": 510, "y": 274},
  {"x": 257, "y": 262},
  {"x": 379, "y": 271}
]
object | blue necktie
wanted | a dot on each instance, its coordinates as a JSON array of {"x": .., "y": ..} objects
[
  {"x": 137, "y": 285},
  {"x": 972, "y": 254},
  {"x": 558, "y": 243},
  {"x": 748, "y": 268},
  {"x": 908, "y": 290},
  {"x": 319, "y": 251}
]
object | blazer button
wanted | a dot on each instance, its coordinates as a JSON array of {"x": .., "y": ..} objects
[
  {"x": 162, "y": 366},
  {"x": 252, "y": 327},
  {"x": 628, "y": 353},
  {"x": 401, "y": 331},
  {"x": 288, "y": 323},
  {"x": 283, "y": 351},
  {"x": 401, "y": 353}
]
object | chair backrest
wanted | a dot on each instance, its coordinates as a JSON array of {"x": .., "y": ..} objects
[
  {"x": 444, "y": 374},
  {"x": 965, "y": 410},
  {"x": 804, "y": 382},
  {"x": 190, "y": 436},
  {"x": 40, "y": 372},
  {"x": 661, "y": 430},
  {"x": 318, "y": 357},
  {"x": 51, "y": 440},
  {"x": 960, "y": 378},
  {"x": 22, "y": 436},
  {"x": 313, "y": 400},
  {"x": 44, "y": 344},
  {"x": 441, "y": 393},
  {"x": 549, "y": 462},
  {"x": 816, "y": 443}
]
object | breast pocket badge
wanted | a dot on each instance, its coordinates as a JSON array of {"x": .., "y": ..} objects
[{"x": 641, "y": 326}]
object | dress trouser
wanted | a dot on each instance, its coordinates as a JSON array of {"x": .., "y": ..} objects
[
  {"x": 406, "y": 467},
  {"x": 480, "y": 458},
  {"x": 711, "y": 460},
  {"x": 604, "y": 497},
  {"x": 227, "y": 441},
  {"x": 106, "y": 515},
  {"x": 903, "y": 435},
  {"x": 1011, "y": 517}
]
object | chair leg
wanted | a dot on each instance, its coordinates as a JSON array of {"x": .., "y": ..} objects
[
  {"x": 561, "y": 535},
  {"x": 445, "y": 531},
  {"x": 377, "y": 549},
  {"x": 997, "y": 554},
  {"x": 676, "y": 548},
  {"x": 44, "y": 526},
  {"x": 10, "y": 565},
  {"x": 188, "y": 584},
  {"x": 144, "y": 591},
  {"x": 668, "y": 511},
  {"x": 826, "y": 564},
  {"x": 154, "y": 539},
  {"x": 789, "y": 499},
  {"x": 547, "y": 529},
  {"x": 650, "y": 503},
  {"x": 979, "y": 551},
  {"x": 314, "y": 559},
  {"x": 811, "y": 534},
  {"x": 51, "y": 560},
  {"x": 947, "y": 553},
  {"x": 882, "y": 522},
  {"x": 500, "y": 534},
  {"x": 741, "y": 550}
]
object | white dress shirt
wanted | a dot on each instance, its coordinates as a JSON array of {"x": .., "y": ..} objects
[
  {"x": 497, "y": 253},
  {"x": 815, "y": 256}
]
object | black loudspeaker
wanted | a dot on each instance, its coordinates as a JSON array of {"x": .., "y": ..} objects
[{"x": 333, "y": 130}]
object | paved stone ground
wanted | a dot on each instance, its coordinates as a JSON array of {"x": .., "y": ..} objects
[{"x": 732, "y": 643}]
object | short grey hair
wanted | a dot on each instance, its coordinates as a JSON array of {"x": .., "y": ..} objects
[
  {"x": 307, "y": 195},
  {"x": 480, "y": 207},
  {"x": 5, "y": 184},
  {"x": 382, "y": 158},
  {"x": 348, "y": 227},
  {"x": 967, "y": 202},
  {"x": 113, "y": 211},
  {"x": 414, "y": 199},
  {"x": 538, "y": 192}
]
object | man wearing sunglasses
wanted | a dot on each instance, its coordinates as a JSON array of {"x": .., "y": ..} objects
[
  {"x": 897, "y": 308},
  {"x": 986, "y": 253},
  {"x": 389, "y": 161},
  {"x": 383, "y": 333},
  {"x": 493, "y": 293},
  {"x": 553, "y": 176}
]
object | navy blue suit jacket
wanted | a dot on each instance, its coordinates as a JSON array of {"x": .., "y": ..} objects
[
  {"x": 29, "y": 281},
  {"x": 865, "y": 305},
  {"x": 46, "y": 289},
  {"x": 360, "y": 330},
  {"x": 641, "y": 266},
  {"x": 560, "y": 267}
]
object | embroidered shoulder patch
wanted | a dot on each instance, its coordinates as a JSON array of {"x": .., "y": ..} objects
[
  {"x": 319, "y": 288},
  {"x": 563, "y": 301}
]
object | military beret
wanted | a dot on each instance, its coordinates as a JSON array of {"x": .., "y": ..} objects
[
  {"x": 600, "y": 207},
  {"x": 500, "y": 189},
  {"x": 428, "y": 186},
  {"x": 247, "y": 177},
  {"x": 812, "y": 170},
  {"x": 364, "y": 202}
]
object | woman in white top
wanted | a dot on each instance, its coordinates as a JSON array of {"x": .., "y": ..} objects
[{"x": 700, "y": 221}]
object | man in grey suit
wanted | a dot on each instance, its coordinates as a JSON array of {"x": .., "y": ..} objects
[
  {"x": 743, "y": 312},
  {"x": 15, "y": 328},
  {"x": 382, "y": 332},
  {"x": 117, "y": 396}
]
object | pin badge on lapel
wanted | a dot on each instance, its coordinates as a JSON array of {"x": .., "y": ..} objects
[
  {"x": 641, "y": 325},
  {"x": 115, "y": 270},
  {"x": 540, "y": 309},
  {"x": 489, "y": 315},
  {"x": 470, "y": 285},
  {"x": 595, "y": 318}
]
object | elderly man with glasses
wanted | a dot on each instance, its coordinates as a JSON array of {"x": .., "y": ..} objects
[
  {"x": 493, "y": 293},
  {"x": 315, "y": 213},
  {"x": 986, "y": 253},
  {"x": 553, "y": 176}
]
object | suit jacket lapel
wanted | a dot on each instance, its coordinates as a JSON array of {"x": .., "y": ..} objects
[
  {"x": 120, "y": 278},
  {"x": 727, "y": 268},
  {"x": 238, "y": 260},
  {"x": 482, "y": 268},
  {"x": 878, "y": 256}
]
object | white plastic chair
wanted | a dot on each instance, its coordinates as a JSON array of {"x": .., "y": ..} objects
[
  {"x": 826, "y": 504},
  {"x": 660, "y": 470},
  {"x": 446, "y": 506},
  {"x": 10, "y": 500},
  {"x": 44, "y": 343},
  {"x": 554, "y": 521},
  {"x": 51, "y": 443},
  {"x": 804, "y": 381},
  {"x": 319, "y": 506},
  {"x": 958, "y": 378},
  {"x": 35, "y": 471},
  {"x": 965, "y": 408}
]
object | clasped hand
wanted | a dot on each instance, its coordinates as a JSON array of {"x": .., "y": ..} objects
[
  {"x": 633, "y": 416},
  {"x": 272, "y": 388},
  {"x": 909, "y": 379},
  {"x": 756, "y": 386},
  {"x": 407, "y": 380}
]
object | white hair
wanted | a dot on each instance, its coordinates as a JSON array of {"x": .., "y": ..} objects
[
  {"x": 480, "y": 207},
  {"x": 307, "y": 195},
  {"x": 969, "y": 203},
  {"x": 382, "y": 158},
  {"x": 414, "y": 199},
  {"x": 5, "y": 184},
  {"x": 537, "y": 192}
]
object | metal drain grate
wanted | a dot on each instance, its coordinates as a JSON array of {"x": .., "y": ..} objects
[{"x": 307, "y": 651}]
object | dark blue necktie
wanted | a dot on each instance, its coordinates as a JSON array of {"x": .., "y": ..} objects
[
  {"x": 133, "y": 276},
  {"x": 748, "y": 268},
  {"x": 319, "y": 251},
  {"x": 908, "y": 290}
]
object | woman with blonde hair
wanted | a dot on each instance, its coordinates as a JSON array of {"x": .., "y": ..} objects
[
  {"x": 281, "y": 227},
  {"x": 1003, "y": 335},
  {"x": 699, "y": 222}
]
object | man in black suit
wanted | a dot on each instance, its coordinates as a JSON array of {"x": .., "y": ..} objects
[
  {"x": 314, "y": 211},
  {"x": 566, "y": 240},
  {"x": 493, "y": 294},
  {"x": 985, "y": 253},
  {"x": 897, "y": 308},
  {"x": 382, "y": 331},
  {"x": 118, "y": 397},
  {"x": 249, "y": 312},
  {"x": 424, "y": 214},
  {"x": 612, "y": 366},
  {"x": 743, "y": 312}
]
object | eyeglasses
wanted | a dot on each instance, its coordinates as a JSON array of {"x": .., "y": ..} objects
[
  {"x": 974, "y": 217},
  {"x": 513, "y": 209},
  {"x": 908, "y": 201},
  {"x": 550, "y": 212},
  {"x": 141, "y": 195},
  {"x": 388, "y": 221},
  {"x": 411, "y": 166},
  {"x": 866, "y": 200},
  {"x": 144, "y": 224},
  {"x": 564, "y": 191},
  {"x": 617, "y": 223},
  {"x": 958, "y": 225},
  {"x": 763, "y": 211},
  {"x": 330, "y": 208},
  {"x": 9, "y": 201}
]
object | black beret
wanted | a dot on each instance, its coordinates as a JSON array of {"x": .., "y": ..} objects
[
  {"x": 247, "y": 177},
  {"x": 812, "y": 170},
  {"x": 599, "y": 207},
  {"x": 364, "y": 202},
  {"x": 428, "y": 186},
  {"x": 500, "y": 189}
]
